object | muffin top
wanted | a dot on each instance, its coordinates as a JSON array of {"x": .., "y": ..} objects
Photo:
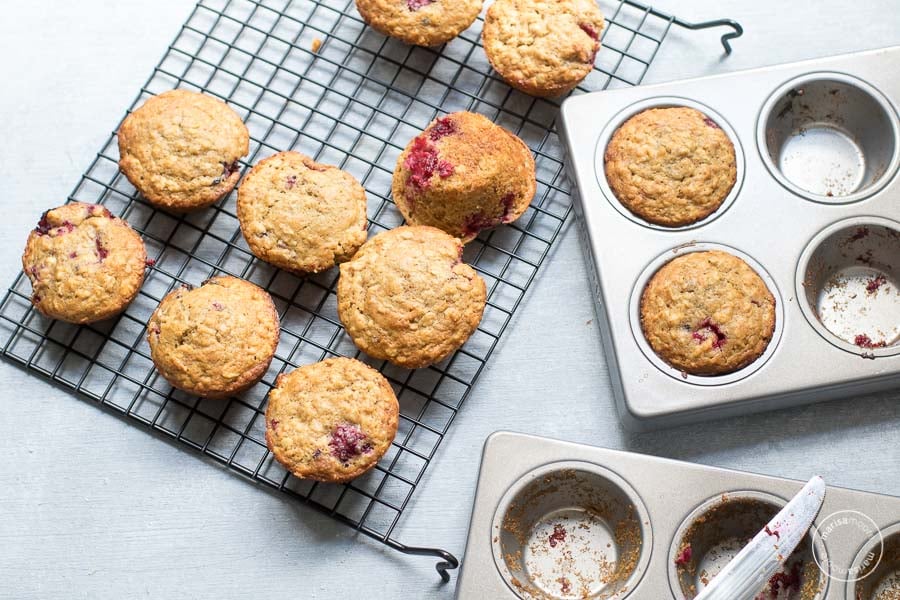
[
  {"x": 84, "y": 263},
  {"x": 181, "y": 149},
  {"x": 707, "y": 313},
  {"x": 332, "y": 420},
  {"x": 543, "y": 47},
  {"x": 671, "y": 166},
  {"x": 301, "y": 215},
  {"x": 214, "y": 340},
  {"x": 407, "y": 296},
  {"x": 464, "y": 174},
  {"x": 420, "y": 22}
]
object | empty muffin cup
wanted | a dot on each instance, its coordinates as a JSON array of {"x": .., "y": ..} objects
[
  {"x": 829, "y": 137},
  {"x": 848, "y": 281},
  {"x": 876, "y": 569},
  {"x": 713, "y": 534},
  {"x": 571, "y": 530}
]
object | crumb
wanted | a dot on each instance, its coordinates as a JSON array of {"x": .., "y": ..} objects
[{"x": 316, "y": 44}]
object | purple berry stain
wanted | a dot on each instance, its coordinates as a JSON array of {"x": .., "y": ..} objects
[
  {"x": 710, "y": 122},
  {"x": 43, "y": 226},
  {"x": 73, "y": 254},
  {"x": 273, "y": 423},
  {"x": 442, "y": 128},
  {"x": 423, "y": 162},
  {"x": 218, "y": 306},
  {"x": 290, "y": 181},
  {"x": 102, "y": 252},
  {"x": 415, "y": 5},
  {"x": 151, "y": 262},
  {"x": 348, "y": 441},
  {"x": 708, "y": 325},
  {"x": 594, "y": 35}
]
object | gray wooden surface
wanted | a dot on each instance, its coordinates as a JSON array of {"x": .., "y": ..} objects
[{"x": 92, "y": 507}]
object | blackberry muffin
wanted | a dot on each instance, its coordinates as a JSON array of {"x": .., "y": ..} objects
[
  {"x": 670, "y": 166},
  {"x": 181, "y": 149},
  {"x": 464, "y": 174},
  {"x": 215, "y": 340},
  {"x": 707, "y": 313},
  {"x": 407, "y": 297},
  {"x": 301, "y": 215},
  {"x": 420, "y": 22},
  {"x": 331, "y": 421},
  {"x": 84, "y": 264},
  {"x": 543, "y": 47}
]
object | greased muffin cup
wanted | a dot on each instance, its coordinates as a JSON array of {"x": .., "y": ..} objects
[
  {"x": 707, "y": 313},
  {"x": 464, "y": 174},
  {"x": 407, "y": 297},
  {"x": 84, "y": 264},
  {"x": 420, "y": 22},
  {"x": 301, "y": 215},
  {"x": 180, "y": 149},
  {"x": 332, "y": 420},
  {"x": 671, "y": 166},
  {"x": 543, "y": 47},
  {"x": 215, "y": 340}
]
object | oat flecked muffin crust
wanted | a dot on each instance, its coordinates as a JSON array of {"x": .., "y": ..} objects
[
  {"x": 181, "y": 149},
  {"x": 420, "y": 22},
  {"x": 332, "y": 420},
  {"x": 543, "y": 47},
  {"x": 670, "y": 166},
  {"x": 84, "y": 264},
  {"x": 464, "y": 174},
  {"x": 407, "y": 297},
  {"x": 301, "y": 215},
  {"x": 707, "y": 313},
  {"x": 215, "y": 340}
]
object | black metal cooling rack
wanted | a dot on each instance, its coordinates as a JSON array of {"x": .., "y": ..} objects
[{"x": 354, "y": 102}]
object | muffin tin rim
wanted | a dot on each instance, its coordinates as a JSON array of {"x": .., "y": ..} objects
[
  {"x": 800, "y": 290},
  {"x": 634, "y": 315},
  {"x": 873, "y": 91},
  {"x": 667, "y": 101},
  {"x": 703, "y": 507},
  {"x": 883, "y": 532},
  {"x": 522, "y": 481}
]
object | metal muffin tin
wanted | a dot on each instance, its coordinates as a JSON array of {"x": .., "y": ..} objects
[
  {"x": 816, "y": 209},
  {"x": 558, "y": 520}
]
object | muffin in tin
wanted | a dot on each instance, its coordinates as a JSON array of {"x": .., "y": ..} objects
[
  {"x": 707, "y": 313},
  {"x": 671, "y": 166}
]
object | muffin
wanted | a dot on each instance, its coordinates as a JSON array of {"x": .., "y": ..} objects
[
  {"x": 407, "y": 297},
  {"x": 420, "y": 22},
  {"x": 181, "y": 150},
  {"x": 543, "y": 47},
  {"x": 301, "y": 215},
  {"x": 464, "y": 174},
  {"x": 670, "y": 166},
  {"x": 331, "y": 421},
  {"x": 215, "y": 340},
  {"x": 707, "y": 313},
  {"x": 84, "y": 264}
]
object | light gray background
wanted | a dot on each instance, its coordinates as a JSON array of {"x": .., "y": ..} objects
[{"x": 93, "y": 507}]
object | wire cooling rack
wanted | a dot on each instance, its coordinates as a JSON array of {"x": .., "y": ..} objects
[{"x": 355, "y": 102}]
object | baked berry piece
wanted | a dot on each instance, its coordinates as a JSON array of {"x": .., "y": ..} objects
[
  {"x": 464, "y": 174},
  {"x": 332, "y": 420},
  {"x": 84, "y": 264}
]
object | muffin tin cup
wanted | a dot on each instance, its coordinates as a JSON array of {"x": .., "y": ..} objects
[
  {"x": 848, "y": 285},
  {"x": 717, "y": 530},
  {"x": 821, "y": 112},
  {"x": 667, "y": 102},
  {"x": 551, "y": 516},
  {"x": 635, "y": 316},
  {"x": 876, "y": 568},
  {"x": 829, "y": 137},
  {"x": 571, "y": 530}
]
